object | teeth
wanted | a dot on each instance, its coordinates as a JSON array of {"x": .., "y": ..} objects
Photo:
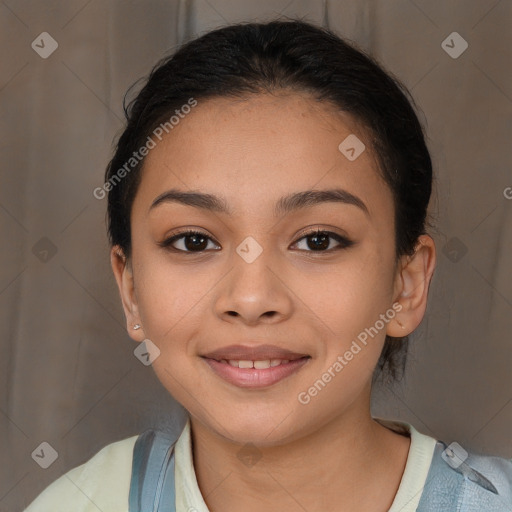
[{"x": 259, "y": 365}]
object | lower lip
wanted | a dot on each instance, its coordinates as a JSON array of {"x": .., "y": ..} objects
[{"x": 252, "y": 377}]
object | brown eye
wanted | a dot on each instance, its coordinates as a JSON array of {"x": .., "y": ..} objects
[
  {"x": 191, "y": 241},
  {"x": 320, "y": 241},
  {"x": 197, "y": 241}
]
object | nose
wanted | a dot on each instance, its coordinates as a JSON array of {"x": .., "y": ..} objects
[{"x": 254, "y": 292}]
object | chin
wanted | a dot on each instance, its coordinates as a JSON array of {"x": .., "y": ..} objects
[{"x": 263, "y": 429}]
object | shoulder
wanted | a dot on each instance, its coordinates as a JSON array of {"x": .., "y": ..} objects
[
  {"x": 493, "y": 470},
  {"x": 101, "y": 483},
  {"x": 467, "y": 482},
  {"x": 445, "y": 477}
]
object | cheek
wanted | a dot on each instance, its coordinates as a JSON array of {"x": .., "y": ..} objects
[
  {"x": 171, "y": 302},
  {"x": 350, "y": 301},
  {"x": 350, "y": 296}
]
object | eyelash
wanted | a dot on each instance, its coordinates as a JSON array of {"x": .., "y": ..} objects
[{"x": 345, "y": 242}]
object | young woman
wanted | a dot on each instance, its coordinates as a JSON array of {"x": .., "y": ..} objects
[{"x": 267, "y": 208}]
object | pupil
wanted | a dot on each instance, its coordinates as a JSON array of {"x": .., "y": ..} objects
[
  {"x": 324, "y": 238},
  {"x": 196, "y": 244}
]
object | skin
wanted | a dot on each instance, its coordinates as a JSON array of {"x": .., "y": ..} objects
[{"x": 329, "y": 454}]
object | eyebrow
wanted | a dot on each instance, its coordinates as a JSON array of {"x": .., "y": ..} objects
[{"x": 284, "y": 205}]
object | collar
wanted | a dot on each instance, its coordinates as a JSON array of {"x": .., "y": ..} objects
[{"x": 419, "y": 459}]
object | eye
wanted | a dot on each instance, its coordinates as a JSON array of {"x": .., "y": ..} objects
[
  {"x": 193, "y": 241},
  {"x": 197, "y": 241},
  {"x": 320, "y": 241}
]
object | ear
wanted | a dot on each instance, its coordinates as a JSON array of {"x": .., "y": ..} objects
[
  {"x": 412, "y": 282},
  {"x": 123, "y": 273}
]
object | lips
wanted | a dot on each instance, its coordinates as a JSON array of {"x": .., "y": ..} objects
[{"x": 254, "y": 367}]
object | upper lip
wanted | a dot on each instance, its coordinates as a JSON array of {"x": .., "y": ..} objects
[{"x": 254, "y": 353}]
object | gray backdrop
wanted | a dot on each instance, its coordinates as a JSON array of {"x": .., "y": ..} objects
[{"x": 68, "y": 375}]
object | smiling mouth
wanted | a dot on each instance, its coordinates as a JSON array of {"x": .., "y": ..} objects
[{"x": 258, "y": 373}]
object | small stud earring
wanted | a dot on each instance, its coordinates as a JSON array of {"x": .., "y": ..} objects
[
  {"x": 400, "y": 323},
  {"x": 136, "y": 326}
]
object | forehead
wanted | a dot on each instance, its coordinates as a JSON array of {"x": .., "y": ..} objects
[{"x": 255, "y": 149}]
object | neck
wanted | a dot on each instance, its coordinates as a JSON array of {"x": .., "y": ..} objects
[{"x": 350, "y": 463}]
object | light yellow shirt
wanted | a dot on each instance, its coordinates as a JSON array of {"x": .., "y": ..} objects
[{"x": 102, "y": 483}]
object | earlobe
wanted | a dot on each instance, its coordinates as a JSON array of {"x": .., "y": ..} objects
[
  {"x": 123, "y": 274},
  {"x": 411, "y": 287}
]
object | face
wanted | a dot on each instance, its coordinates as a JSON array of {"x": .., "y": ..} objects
[{"x": 257, "y": 275}]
